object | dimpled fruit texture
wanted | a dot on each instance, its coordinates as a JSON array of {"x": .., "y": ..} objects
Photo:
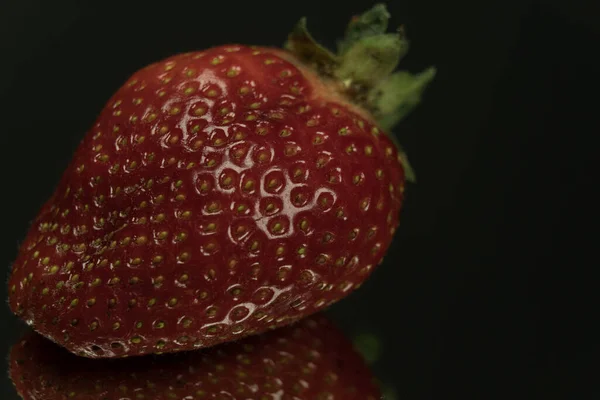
[
  {"x": 219, "y": 194},
  {"x": 310, "y": 360}
]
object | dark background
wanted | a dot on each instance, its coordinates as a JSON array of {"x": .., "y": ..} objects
[{"x": 488, "y": 290}]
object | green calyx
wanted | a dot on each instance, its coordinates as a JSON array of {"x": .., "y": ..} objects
[{"x": 364, "y": 66}]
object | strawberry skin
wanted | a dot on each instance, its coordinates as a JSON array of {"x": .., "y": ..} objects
[
  {"x": 310, "y": 360},
  {"x": 216, "y": 195},
  {"x": 219, "y": 194}
]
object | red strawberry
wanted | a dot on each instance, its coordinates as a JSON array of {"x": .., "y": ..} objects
[
  {"x": 310, "y": 360},
  {"x": 221, "y": 193}
]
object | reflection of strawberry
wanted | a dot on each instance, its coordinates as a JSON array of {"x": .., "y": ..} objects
[
  {"x": 309, "y": 360},
  {"x": 220, "y": 193}
]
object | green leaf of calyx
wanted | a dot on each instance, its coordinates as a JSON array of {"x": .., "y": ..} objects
[
  {"x": 371, "y": 23},
  {"x": 371, "y": 58},
  {"x": 301, "y": 43},
  {"x": 396, "y": 96}
]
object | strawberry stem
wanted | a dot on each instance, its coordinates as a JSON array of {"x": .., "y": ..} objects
[{"x": 364, "y": 66}]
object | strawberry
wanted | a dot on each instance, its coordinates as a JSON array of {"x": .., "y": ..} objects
[
  {"x": 309, "y": 360},
  {"x": 222, "y": 193}
]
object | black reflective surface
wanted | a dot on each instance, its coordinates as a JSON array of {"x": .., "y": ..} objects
[{"x": 486, "y": 292}]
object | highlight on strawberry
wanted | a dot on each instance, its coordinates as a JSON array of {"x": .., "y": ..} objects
[
  {"x": 221, "y": 193},
  {"x": 310, "y": 360}
]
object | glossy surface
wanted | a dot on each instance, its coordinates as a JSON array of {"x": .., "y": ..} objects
[
  {"x": 219, "y": 194},
  {"x": 310, "y": 360}
]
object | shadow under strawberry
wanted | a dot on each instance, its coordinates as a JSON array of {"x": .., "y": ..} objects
[{"x": 310, "y": 360}]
